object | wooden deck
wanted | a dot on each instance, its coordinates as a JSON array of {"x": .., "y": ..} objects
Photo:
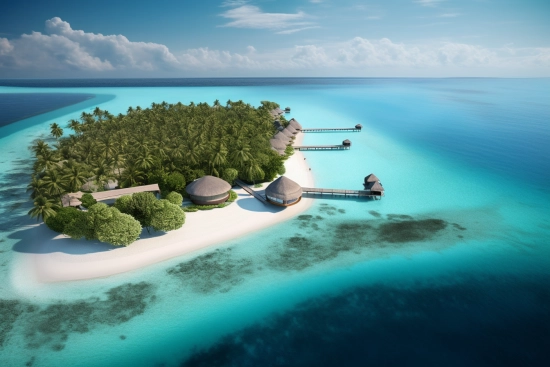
[
  {"x": 251, "y": 192},
  {"x": 321, "y": 130},
  {"x": 321, "y": 147},
  {"x": 358, "y": 193}
]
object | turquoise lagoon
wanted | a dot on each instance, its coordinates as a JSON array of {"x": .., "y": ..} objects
[{"x": 452, "y": 267}]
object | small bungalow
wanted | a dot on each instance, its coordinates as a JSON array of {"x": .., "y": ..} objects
[
  {"x": 373, "y": 184},
  {"x": 277, "y": 144},
  {"x": 282, "y": 137},
  {"x": 287, "y": 110},
  {"x": 358, "y": 126},
  {"x": 208, "y": 190},
  {"x": 283, "y": 192},
  {"x": 288, "y": 133},
  {"x": 346, "y": 143},
  {"x": 295, "y": 124}
]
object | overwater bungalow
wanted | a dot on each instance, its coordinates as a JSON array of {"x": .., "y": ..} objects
[
  {"x": 373, "y": 184},
  {"x": 283, "y": 192},
  {"x": 281, "y": 136},
  {"x": 346, "y": 143},
  {"x": 287, "y": 110},
  {"x": 291, "y": 129},
  {"x": 288, "y": 133},
  {"x": 295, "y": 124},
  {"x": 208, "y": 190},
  {"x": 358, "y": 126}
]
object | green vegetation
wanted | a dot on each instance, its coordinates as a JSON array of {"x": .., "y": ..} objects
[
  {"x": 167, "y": 144},
  {"x": 62, "y": 219},
  {"x": 193, "y": 208},
  {"x": 161, "y": 215},
  {"x": 232, "y": 196},
  {"x": 175, "y": 198},
  {"x": 87, "y": 200}
]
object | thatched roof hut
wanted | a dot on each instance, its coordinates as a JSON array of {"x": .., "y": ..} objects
[
  {"x": 277, "y": 144},
  {"x": 282, "y": 137},
  {"x": 292, "y": 130},
  {"x": 358, "y": 126},
  {"x": 288, "y": 133},
  {"x": 277, "y": 112},
  {"x": 295, "y": 124},
  {"x": 208, "y": 190},
  {"x": 287, "y": 109},
  {"x": 371, "y": 178},
  {"x": 346, "y": 143},
  {"x": 283, "y": 192}
]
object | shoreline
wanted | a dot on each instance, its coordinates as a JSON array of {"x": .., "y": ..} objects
[{"x": 61, "y": 259}]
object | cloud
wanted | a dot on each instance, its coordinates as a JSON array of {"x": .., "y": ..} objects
[
  {"x": 233, "y": 3},
  {"x": 249, "y": 16},
  {"x": 290, "y": 31},
  {"x": 64, "y": 52}
]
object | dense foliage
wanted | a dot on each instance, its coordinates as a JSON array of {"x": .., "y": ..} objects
[
  {"x": 175, "y": 198},
  {"x": 168, "y": 144},
  {"x": 161, "y": 215},
  {"x": 106, "y": 224},
  {"x": 87, "y": 200},
  {"x": 62, "y": 219}
]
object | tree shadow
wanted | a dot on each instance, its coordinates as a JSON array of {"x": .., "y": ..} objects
[{"x": 41, "y": 240}]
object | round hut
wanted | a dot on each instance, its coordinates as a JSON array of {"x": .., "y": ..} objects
[
  {"x": 287, "y": 110},
  {"x": 283, "y": 192},
  {"x": 358, "y": 126},
  {"x": 208, "y": 190},
  {"x": 346, "y": 143},
  {"x": 295, "y": 124}
]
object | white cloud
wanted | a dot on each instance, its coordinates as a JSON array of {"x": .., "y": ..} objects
[
  {"x": 290, "y": 31},
  {"x": 63, "y": 51},
  {"x": 233, "y": 3},
  {"x": 249, "y": 16}
]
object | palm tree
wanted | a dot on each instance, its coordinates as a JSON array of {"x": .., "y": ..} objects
[
  {"x": 74, "y": 175},
  {"x": 54, "y": 183},
  {"x": 56, "y": 130},
  {"x": 36, "y": 186},
  {"x": 75, "y": 126},
  {"x": 131, "y": 176},
  {"x": 46, "y": 160},
  {"x": 40, "y": 147},
  {"x": 43, "y": 208}
]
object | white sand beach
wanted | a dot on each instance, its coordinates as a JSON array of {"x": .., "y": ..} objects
[{"x": 47, "y": 259}]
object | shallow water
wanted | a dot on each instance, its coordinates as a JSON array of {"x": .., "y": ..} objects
[{"x": 450, "y": 268}]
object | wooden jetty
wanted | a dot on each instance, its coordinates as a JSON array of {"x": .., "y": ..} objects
[
  {"x": 355, "y": 129},
  {"x": 346, "y": 193},
  {"x": 321, "y": 147},
  {"x": 251, "y": 192}
]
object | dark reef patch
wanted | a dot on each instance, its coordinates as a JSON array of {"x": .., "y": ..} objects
[
  {"x": 324, "y": 208},
  {"x": 399, "y": 217},
  {"x": 445, "y": 324},
  {"x": 298, "y": 253},
  {"x": 9, "y": 312},
  {"x": 410, "y": 230},
  {"x": 459, "y": 227},
  {"x": 215, "y": 271},
  {"x": 51, "y": 325}
]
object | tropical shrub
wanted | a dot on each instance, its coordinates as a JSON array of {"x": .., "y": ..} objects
[
  {"x": 167, "y": 216},
  {"x": 232, "y": 196},
  {"x": 175, "y": 198},
  {"x": 230, "y": 175},
  {"x": 61, "y": 219},
  {"x": 175, "y": 181},
  {"x": 120, "y": 230},
  {"x": 87, "y": 200}
]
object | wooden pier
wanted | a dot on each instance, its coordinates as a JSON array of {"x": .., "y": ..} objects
[
  {"x": 346, "y": 193},
  {"x": 251, "y": 192},
  {"x": 321, "y": 147},
  {"x": 335, "y": 129}
]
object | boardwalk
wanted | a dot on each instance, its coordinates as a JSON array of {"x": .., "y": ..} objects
[
  {"x": 359, "y": 193},
  {"x": 321, "y": 147},
  {"x": 251, "y": 192},
  {"x": 336, "y": 129}
]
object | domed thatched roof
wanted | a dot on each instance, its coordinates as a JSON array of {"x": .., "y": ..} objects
[
  {"x": 346, "y": 142},
  {"x": 284, "y": 188},
  {"x": 277, "y": 144},
  {"x": 359, "y": 126},
  {"x": 295, "y": 124},
  {"x": 291, "y": 129},
  {"x": 371, "y": 178},
  {"x": 208, "y": 186}
]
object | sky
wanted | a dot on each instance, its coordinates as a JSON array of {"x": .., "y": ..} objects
[{"x": 274, "y": 38}]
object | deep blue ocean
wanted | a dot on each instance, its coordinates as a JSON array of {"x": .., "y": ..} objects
[{"x": 450, "y": 268}]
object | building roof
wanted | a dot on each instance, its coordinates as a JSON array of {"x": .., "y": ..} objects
[
  {"x": 208, "y": 186},
  {"x": 284, "y": 188},
  {"x": 295, "y": 124},
  {"x": 288, "y": 133},
  {"x": 281, "y": 136},
  {"x": 374, "y": 186},
  {"x": 371, "y": 178},
  {"x": 277, "y": 112},
  {"x": 277, "y": 144},
  {"x": 292, "y": 129},
  {"x": 346, "y": 142},
  {"x": 73, "y": 198}
]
